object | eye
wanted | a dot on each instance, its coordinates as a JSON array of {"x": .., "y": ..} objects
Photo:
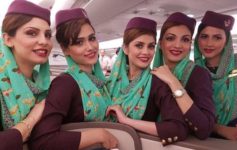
[
  {"x": 169, "y": 38},
  {"x": 139, "y": 45},
  {"x": 217, "y": 37},
  {"x": 48, "y": 34},
  {"x": 203, "y": 36},
  {"x": 186, "y": 40},
  {"x": 151, "y": 46},
  {"x": 78, "y": 42},
  {"x": 92, "y": 38},
  {"x": 31, "y": 33}
]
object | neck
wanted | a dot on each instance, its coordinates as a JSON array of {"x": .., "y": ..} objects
[
  {"x": 25, "y": 68},
  {"x": 133, "y": 72},
  {"x": 213, "y": 62},
  {"x": 171, "y": 65},
  {"x": 86, "y": 68}
]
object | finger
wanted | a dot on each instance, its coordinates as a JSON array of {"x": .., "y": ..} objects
[{"x": 107, "y": 111}]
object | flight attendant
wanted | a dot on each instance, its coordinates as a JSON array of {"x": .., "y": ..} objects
[
  {"x": 77, "y": 95},
  {"x": 138, "y": 97},
  {"x": 24, "y": 71},
  {"x": 190, "y": 84},
  {"x": 214, "y": 51}
]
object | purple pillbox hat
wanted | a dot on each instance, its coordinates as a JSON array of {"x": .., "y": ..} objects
[
  {"x": 70, "y": 14},
  {"x": 144, "y": 23},
  {"x": 218, "y": 20},
  {"x": 28, "y": 8},
  {"x": 181, "y": 18}
]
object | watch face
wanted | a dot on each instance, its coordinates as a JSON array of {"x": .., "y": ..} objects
[{"x": 178, "y": 93}]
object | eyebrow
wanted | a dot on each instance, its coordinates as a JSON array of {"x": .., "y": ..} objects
[
  {"x": 218, "y": 34},
  {"x": 34, "y": 28},
  {"x": 81, "y": 38},
  {"x": 144, "y": 43},
  {"x": 176, "y": 35}
]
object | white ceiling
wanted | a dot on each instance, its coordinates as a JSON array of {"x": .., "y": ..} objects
[{"x": 110, "y": 17}]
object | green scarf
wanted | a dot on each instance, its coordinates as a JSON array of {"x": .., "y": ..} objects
[
  {"x": 224, "y": 86},
  {"x": 95, "y": 96},
  {"x": 18, "y": 93},
  {"x": 182, "y": 70},
  {"x": 131, "y": 96}
]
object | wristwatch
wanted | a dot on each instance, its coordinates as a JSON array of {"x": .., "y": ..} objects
[{"x": 179, "y": 93}]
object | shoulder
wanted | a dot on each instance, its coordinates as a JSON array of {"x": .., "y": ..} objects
[
  {"x": 157, "y": 83},
  {"x": 64, "y": 80},
  {"x": 199, "y": 76},
  {"x": 200, "y": 73}
]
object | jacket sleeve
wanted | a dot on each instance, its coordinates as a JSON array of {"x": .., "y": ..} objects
[
  {"x": 11, "y": 139},
  {"x": 171, "y": 127},
  {"x": 47, "y": 134},
  {"x": 201, "y": 115}
]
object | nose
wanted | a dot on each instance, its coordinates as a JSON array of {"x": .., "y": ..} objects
[
  {"x": 209, "y": 42},
  {"x": 88, "y": 45},
  {"x": 43, "y": 40},
  {"x": 177, "y": 44}
]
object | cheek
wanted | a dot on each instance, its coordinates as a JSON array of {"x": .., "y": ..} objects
[
  {"x": 95, "y": 45},
  {"x": 221, "y": 45}
]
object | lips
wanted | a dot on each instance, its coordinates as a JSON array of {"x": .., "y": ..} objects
[
  {"x": 90, "y": 55},
  {"x": 208, "y": 50},
  {"x": 144, "y": 59},
  {"x": 41, "y": 52},
  {"x": 176, "y": 52}
]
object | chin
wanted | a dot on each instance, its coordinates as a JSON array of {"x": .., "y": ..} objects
[{"x": 41, "y": 62}]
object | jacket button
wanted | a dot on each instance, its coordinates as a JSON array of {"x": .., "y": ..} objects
[
  {"x": 170, "y": 140},
  {"x": 195, "y": 128},
  {"x": 163, "y": 142},
  {"x": 175, "y": 138},
  {"x": 190, "y": 123}
]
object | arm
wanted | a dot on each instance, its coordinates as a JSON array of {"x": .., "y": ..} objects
[
  {"x": 229, "y": 133},
  {"x": 144, "y": 126},
  {"x": 196, "y": 102},
  {"x": 164, "y": 73},
  {"x": 172, "y": 128},
  {"x": 11, "y": 139},
  {"x": 47, "y": 133},
  {"x": 64, "y": 105},
  {"x": 25, "y": 126}
]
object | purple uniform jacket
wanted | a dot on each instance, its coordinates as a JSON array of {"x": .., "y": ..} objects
[
  {"x": 11, "y": 139},
  {"x": 64, "y": 105},
  {"x": 201, "y": 116}
]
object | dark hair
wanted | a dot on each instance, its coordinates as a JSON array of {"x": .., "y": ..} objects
[
  {"x": 67, "y": 33},
  {"x": 168, "y": 25},
  {"x": 130, "y": 35},
  {"x": 12, "y": 22},
  {"x": 117, "y": 50}
]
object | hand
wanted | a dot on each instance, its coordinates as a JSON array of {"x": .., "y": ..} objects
[
  {"x": 118, "y": 112},
  {"x": 108, "y": 140},
  {"x": 29, "y": 122},
  {"x": 228, "y": 132},
  {"x": 103, "y": 137},
  {"x": 164, "y": 73}
]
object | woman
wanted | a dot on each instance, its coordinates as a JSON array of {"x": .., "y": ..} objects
[
  {"x": 214, "y": 43},
  {"x": 137, "y": 95},
  {"x": 77, "y": 95},
  {"x": 186, "y": 80},
  {"x": 26, "y": 45}
]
